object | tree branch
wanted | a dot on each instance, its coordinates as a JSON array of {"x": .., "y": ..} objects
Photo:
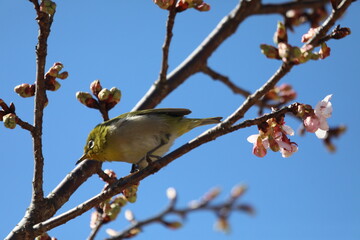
[
  {"x": 44, "y": 21},
  {"x": 192, "y": 64},
  {"x": 217, "y": 76},
  {"x": 165, "y": 48},
  {"x": 282, "y": 8},
  {"x": 197, "y": 59}
]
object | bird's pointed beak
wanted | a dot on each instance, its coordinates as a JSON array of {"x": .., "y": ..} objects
[{"x": 82, "y": 158}]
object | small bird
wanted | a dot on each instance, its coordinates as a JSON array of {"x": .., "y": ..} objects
[{"x": 141, "y": 136}]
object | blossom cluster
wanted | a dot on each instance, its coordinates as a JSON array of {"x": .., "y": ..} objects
[
  {"x": 109, "y": 209},
  {"x": 108, "y": 97},
  {"x": 273, "y": 134},
  {"x": 51, "y": 84},
  {"x": 293, "y": 54}
]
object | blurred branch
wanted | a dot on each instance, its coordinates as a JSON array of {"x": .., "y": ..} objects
[
  {"x": 221, "y": 210},
  {"x": 282, "y": 8}
]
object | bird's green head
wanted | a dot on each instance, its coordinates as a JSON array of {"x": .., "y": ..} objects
[{"x": 95, "y": 144}]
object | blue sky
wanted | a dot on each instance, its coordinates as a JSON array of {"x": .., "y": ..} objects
[{"x": 312, "y": 195}]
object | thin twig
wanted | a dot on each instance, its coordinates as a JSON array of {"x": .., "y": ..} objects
[
  {"x": 165, "y": 48},
  {"x": 25, "y": 125},
  {"x": 198, "y": 58},
  {"x": 95, "y": 230},
  {"x": 217, "y": 76}
]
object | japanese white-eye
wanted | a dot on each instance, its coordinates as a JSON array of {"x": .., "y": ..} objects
[{"x": 135, "y": 136}]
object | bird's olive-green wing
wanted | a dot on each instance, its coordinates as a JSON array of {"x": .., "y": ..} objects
[{"x": 175, "y": 112}]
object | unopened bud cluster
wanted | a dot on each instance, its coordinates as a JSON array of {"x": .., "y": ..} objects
[
  {"x": 223, "y": 212},
  {"x": 28, "y": 90},
  {"x": 108, "y": 97},
  {"x": 297, "y": 55},
  {"x": 183, "y": 5},
  {"x": 109, "y": 210}
]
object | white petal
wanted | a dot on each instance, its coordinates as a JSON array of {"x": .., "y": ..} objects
[
  {"x": 324, "y": 107},
  {"x": 321, "y": 133},
  {"x": 266, "y": 143},
  {"x": 323, "y": 124},
  {"x": 288, "y": 130},
  {"x": 252, "y": 138},
  {"x": 327, "y": 98},
  {"x": 284, "y": 145}
]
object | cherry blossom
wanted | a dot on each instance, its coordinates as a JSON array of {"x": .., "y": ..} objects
[{"x": 323, "y": 110}]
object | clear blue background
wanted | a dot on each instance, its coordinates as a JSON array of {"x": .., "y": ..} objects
[{"x": 312, "y": 195}]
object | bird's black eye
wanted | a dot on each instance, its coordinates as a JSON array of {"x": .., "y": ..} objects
[{"x": 91, "y": 144}]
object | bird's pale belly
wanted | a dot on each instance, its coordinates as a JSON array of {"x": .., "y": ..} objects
[{"x": 135, "y": 147}]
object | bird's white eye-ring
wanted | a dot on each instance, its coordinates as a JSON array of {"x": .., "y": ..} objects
[{"x": 91, "y": 144}]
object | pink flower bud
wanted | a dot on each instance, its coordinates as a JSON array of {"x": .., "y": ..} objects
[
  {"x": 25, "y": 90},
  {"x": 62, "y": 75},
  {"x": 280, "y": 34},
  {"x": 115, "y": 94},
  {"x": 222, "y": 225},
  {"x": 238, "y": 191},
  {"x": 212, "y": 194},
  {"x": 284, "y": 51},
  {"x": 172, "y": 225},
  {"x": 52, "y": 84},
  {"x": 181, "y": 6},
  {"x": 259, "y": 149},
  {"x": 269, "y": 51},
  {"x": 203, "y": 7},
  {"x": 339, "y": 33},
  {"x": 311, "y": 123},
  {"x": 9, "y": 120},
  {"x": 104, "y": 94},
  {"x": 324, "y": 51},
  {"x": 164, "y": 4},
  {"x": 95, "y": 87},
  {"x": 86, "y": 99}
]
